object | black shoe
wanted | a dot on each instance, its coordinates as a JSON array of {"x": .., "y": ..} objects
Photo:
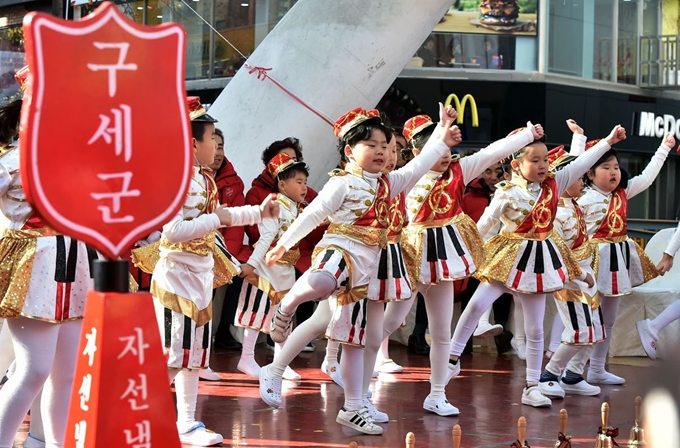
[
  {"x": 503, "y": 342},
  {"x": 228, "y": 343},
  {"x": 418, "y": 345}
]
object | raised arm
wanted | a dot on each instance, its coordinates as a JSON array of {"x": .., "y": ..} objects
[
  {"x": 578, "y": 140},
  {"x": 179, "y": 229},
  {"x": 640, "y": 183},
  {"x": 475, "y": 164},
  {"x": 566, "y": 177}
]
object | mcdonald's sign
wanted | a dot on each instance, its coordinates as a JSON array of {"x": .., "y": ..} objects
[{"x": 460, "y": 107}]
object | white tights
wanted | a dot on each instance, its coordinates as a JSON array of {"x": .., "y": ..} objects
[
  {"x": 610, "y": 308},
  {"x": 533, "y": 308},
  {"x": 36, "y": 345},
  {"x": 556, "y": 333},
  {"x": 375, "y": 313},
  {"x": 670, "y": 314},
  {"x": 302, "y": 335},
  {"x": 309, "y": 287},
  {"x": 573, "y": 357},
  {"x": 186, "y": 386}
]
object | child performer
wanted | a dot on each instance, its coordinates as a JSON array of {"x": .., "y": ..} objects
[
  {"x": 442, "y": 244},
  {"x": 622, "y": 263},
  {"x": 266, "y": 285},
  {"x": 527, "y": 257},
  {"x": 356, "y": 201},
  {"x": 43, "y": 299},
  {"x": 182, "y": 279},
  {"x": 649, "y": 329},
  {"x": 577, "y": 304}
]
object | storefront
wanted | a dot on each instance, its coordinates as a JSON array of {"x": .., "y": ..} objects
[{"x": 499, "y": 107}]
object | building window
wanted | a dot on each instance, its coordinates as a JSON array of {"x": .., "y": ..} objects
[{"x": 12, "y": 58}]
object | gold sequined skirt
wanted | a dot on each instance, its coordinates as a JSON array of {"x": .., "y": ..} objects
[
  {"x": 17, "y": 252},
  {"x": 503, "y": 252},
  {"x": 225, "y": 266}
]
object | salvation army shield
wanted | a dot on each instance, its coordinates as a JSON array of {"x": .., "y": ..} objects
[{"x": 105, "y": 133}]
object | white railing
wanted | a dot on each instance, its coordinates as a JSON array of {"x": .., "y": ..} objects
[{"x": 658, "y": 64}]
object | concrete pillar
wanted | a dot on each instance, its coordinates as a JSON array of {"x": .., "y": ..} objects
[{"x": 335, "y": 56}]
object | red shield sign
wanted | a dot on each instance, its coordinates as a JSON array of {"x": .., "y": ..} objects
[{"x": 105, "y": 132}]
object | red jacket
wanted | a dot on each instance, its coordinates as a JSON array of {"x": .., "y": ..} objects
[
  {"x": 230, "y": 190},
  {"x": 476, "y": 199},
  {"x": 261, "y": 187}
]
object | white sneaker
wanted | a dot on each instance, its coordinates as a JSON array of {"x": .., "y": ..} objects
[
  {"x": 198, "y": 435},
  {"x": 440, "y": 406},
  {"x": 486, "y": 330},
  {"x": 520, "y": 348},
  {"x": 270, "y": 387},
  {"x": 551, "y": 389},
  {"x": 209, "y": 374},
  {"x": 580, "y": 388},
  {"x": 389, "y": 366},
  {"x": 454, "y": 370},
  {"x": 604, "y": 377},
  {"x": 279, "y": 328},
  {"x": 532, "y": 396},
  {"x": 376, "y": 415},
  {"x": 249, "y": 367},
  {"x": 360, "y": 420},
  {"x": 648, "y": 337},
  {"x": 291, "y": 375},
  {"x": 33, "y": 442},
  {"x": 332, "y": 369}
]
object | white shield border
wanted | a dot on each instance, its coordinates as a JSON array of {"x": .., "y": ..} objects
[{"x": 111, "y": 13}]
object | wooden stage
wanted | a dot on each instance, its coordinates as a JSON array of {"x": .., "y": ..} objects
[{"x": 487, "y": 393}]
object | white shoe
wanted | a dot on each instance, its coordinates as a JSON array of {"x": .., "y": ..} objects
[
  {"x": 648, "y": 337},
  {"x": 332, "y": 369},
  {"x": 520, "y": 348},
  {"x": 604, "y": 377},
  {"x": 580, "y": 388},
  {"x": 454, "y": 370},
  {"x": 198, "y": 435},
  {"x": 270, "y": 387},
  {"x": 209, "y": 375},
  {"x": 360, "y": 420},
  {"x": 33, "y": 442},
  {"x": 249, "y": 367},
  {"x": 486, "y": 330},
  {"x": 532, "y": 396},
  {"x": 440, "y": 406},
  {"x": 376, "y": 415},
  {"x": 279, "y": 328},
  {"x": 551, "y": 389},
  {"x": 291, "y": 375},
  {"x": 389, "y": 366}
]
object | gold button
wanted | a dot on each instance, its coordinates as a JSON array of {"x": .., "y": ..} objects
[
  {"x": 604, "y": 210},
  {"x": 414, "y": 211},
  {"x": 606, "y": 201},
  {"x": 525, "y": 212},
  {"x": 284, "y": 228},
  {"x": 200, "y": 206},
  {"x": 428, "y": 187},
  {"x": 419, "y": 199},
  {"x": 598, "y": 222},
  {"x": 372, "y": 191},
  {"x": 367, "y": 202},
  {"x": 532, "y": 202},
  {"x": 358, "y": 212}
]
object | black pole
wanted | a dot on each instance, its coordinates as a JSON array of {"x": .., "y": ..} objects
[{"x": 111, "y": 276}]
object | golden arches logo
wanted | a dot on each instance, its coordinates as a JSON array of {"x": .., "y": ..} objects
[{"x": 460, "y": 107}]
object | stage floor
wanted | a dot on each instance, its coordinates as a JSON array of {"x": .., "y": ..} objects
[{"x": 487, "y": 393}]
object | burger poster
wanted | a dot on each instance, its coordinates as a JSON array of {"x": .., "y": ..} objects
[{"x": 517, "y": 17}]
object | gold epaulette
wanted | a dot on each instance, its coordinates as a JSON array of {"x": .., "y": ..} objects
[
  {"x": 6, "y": 150},
  {"x": 504, "y": 185},
  {"x": 338, "y": 172},
  {"x": 550, "y": 175},
  {"x": 455, "y": 158}
]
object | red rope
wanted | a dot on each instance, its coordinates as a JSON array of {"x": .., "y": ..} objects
[{"x": 262, "y": 74}]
